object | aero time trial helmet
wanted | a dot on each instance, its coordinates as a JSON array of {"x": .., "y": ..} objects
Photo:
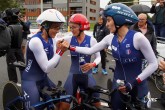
[
  {"x": 81, "y": 20},
  {"x": 49, "y": 16},
  {"x": 121, "y": 14}
]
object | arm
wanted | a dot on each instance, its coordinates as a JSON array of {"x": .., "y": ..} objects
[
  {"x": 141, "y": 43},
  {"x": 36, "y": 47},
  {"x": 153, "y": 8},
  {"x": 96, "y": 48},
  {"x": 154, "y": 43},
  {"x": 88, "y": 66},
  {"x": 97, "y": 54},
  {"x": 94, "y": 31}
]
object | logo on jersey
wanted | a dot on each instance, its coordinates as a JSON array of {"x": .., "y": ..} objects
[
  {"x": 127, "y": 45},
  {"x": 114, "y": 48},
  {"x": 28, "y": 65},
  {"x": 128, "y": 51},
  {"x": 124, "y": 40},
  {"x": 46, "y": 50},
  {"x": 86, "y": 45}
]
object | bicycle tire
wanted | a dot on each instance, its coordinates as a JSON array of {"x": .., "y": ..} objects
[
  {"x": 163, "y": 99},
  {"x": 158, "y": 80},
  {"x": 8, "y": 96}
]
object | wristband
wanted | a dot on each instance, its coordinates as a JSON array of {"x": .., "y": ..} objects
[
  {"x": 72, "y": 48},
  {"x": 59, "y": 52},
  {"x": 138, "y": 80},
  {"x": 94, "y": 64}
]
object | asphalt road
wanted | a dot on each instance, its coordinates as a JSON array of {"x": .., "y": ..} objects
[{"x": 61, "y": 72}]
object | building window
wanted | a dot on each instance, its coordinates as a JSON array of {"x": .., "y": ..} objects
[
  {"x": 75, "y": 10},
  {"x": 92, "y": 10},
  {"x": 47, "y": 1},
  {"x": 75, "y": 0},
  {"x": 92, "y": 18},
  {"x": 93, "y": 2}
]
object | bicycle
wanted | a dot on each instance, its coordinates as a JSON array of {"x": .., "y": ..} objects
[
  {"x": 157, "y": 77},
  {"x": 15, "y": 100},
  {"x": 87, "y": 99},
  {"x": 133, "y": 105}
]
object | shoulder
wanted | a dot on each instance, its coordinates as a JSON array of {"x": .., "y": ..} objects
[{"x": 138, "y": 36}]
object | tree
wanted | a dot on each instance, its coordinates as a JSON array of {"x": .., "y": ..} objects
[
  {"x": 8, "y": 4},
  {"x": 126, "y": 2}
]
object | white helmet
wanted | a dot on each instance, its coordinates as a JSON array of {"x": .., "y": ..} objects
[{"x": 51, "y": 15}]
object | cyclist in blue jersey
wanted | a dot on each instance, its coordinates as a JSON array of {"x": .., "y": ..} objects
[
  {"x": 41, "y": 57},
  {"x": 129, "y": 48},
  {"x": 78, "y": 78}
]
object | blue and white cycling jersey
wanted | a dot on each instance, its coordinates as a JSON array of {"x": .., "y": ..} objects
[
  {"x": 128, "y": 59},
  {"x": 40, "y": 58},
  {"x": 75, "y": 57}
]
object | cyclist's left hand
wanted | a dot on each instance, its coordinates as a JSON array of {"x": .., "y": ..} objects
[
  {"x": 128, "y": 86},
  {"x": 86, "y": 67}
]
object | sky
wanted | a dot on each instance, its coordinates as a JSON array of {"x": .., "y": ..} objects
[{"x": 103, "y": 3}]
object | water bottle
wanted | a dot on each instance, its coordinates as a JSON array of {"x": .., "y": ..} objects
[
  {"x": 120, "y": 82},
  {"x": 82, "y": 62}
]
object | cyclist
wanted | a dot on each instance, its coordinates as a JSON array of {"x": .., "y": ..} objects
[
  {"x": 77, "y": 79},
  {"x": 128, "y": 49},
  {"x": 42, "y": 56}
]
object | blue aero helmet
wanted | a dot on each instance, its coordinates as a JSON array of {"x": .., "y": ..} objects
[{"x": 121, "y": 14}]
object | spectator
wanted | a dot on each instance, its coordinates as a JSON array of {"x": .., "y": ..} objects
[
  {"x": 147, "y": 29},
  {"x": 14, "y": 54},
  {"x": 159, "y": 17},
  {"x": 100, "y": 31},
  {"x": 26, "y": 32}
]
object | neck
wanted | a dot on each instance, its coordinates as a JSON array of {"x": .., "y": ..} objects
[
  {"x": 81, "y": 37},
  {"x": 142, "y": 26},
  {"x": 45, "y": 36},
  {"x": 122, "y": 31}
]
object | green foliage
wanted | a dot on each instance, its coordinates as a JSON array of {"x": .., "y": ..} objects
[
  {"x": 92, "y": 26},
  {"x": 8, "y": 4},
  {"x": 126, "y": 2}
]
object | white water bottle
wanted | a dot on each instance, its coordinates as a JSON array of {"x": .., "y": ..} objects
[{"x": 82, "y": 62}]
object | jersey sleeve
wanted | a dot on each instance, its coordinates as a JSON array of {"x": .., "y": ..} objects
[
  {"x": 36, "y": 47},
  {"x": 97, "y": 54},
  {"x": 104, "y": 43},
  {"x": 141, "y": 43}
]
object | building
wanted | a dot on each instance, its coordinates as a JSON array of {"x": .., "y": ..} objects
[{"x": 90, "y": 8}]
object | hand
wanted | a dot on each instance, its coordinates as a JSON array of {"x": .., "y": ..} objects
[
  {"x": 86, "y": 67},
  {"x": 62, "y": 45},
  {"x": 162, "y": 65},
  {"x": 128, "y": 86}
]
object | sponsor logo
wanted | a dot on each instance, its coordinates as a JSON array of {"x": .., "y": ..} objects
[
  {"x": 116, "y": 7},
  {"x": 114, "y": 48},
  {"x": 127, "y": 45}
]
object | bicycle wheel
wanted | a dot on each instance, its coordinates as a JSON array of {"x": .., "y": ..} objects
[
  {"x": 158, "y": 77},
  {"x": 11, "y": 94}
]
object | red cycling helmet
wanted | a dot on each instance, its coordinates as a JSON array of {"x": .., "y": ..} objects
[{"x": 81, "y": 20}]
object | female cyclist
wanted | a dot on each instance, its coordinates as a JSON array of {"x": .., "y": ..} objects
[
  {"x": 78, "y": 78},
  {"x": 41, "y": 57}
]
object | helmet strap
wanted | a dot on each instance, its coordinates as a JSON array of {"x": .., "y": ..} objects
[{"x": 79, "y": 33}]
